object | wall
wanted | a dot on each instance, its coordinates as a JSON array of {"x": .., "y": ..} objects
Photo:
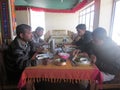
[
  {"x": 103, "y": 13},
  {"x": 53, "y": 21},
  {"x": 57, "y": 21},
  {"x": 22, "y": 17}
]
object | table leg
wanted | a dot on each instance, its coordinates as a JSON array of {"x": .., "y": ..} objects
[
  {"x": 30, "y": 86},
  {"x": 92, "y": 85}
]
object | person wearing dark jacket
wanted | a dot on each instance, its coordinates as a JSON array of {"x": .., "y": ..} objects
[
  {"x": 107, "y": 54},
  {"x": 83, "y": 37},
  {"x": 19, "y": 53}
]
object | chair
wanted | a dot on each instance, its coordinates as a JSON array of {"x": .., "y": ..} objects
[
  {"x": 114, "y": 84},
  {"x": 58, "y": 35},
  {"x": 4, "y": 84}
]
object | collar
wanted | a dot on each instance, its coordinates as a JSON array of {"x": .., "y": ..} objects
[{"x": 22, "y": 43}]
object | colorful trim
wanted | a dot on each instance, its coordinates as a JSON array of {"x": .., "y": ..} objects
[{"x": 5, "y": 20}]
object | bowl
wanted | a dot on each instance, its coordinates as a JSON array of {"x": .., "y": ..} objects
[
  {"x": 64, "y": 55},
  {"x": 59, "y": 62},
  {"x": 82, "y": 61}
]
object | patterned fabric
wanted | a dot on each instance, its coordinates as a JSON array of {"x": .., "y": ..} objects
[{"x": 17, "y": 58}]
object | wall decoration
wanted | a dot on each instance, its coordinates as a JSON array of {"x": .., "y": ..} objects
[{"x": 5, "y": 20}]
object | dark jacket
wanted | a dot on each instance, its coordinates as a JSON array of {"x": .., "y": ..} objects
[
  {"x": 84, "y": 40},
  {"x": 17, "y": 57},
  {"x": 108, "y": 56}
]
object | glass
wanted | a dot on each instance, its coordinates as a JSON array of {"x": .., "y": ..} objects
[{"x": 33, "y": 62}]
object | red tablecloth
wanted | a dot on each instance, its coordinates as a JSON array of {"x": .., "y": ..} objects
[{"x": 55, "y": 73}]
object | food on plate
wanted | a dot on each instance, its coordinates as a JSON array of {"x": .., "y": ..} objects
[
  {"x": 82, "y": 61},
  {"x": 60, "y": 62}
]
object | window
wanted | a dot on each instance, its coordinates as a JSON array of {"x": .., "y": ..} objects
[
  {"x": 116, "y": 25},
  {"x": 37, "y": 19},
  {"x": 86, "y": 16}
]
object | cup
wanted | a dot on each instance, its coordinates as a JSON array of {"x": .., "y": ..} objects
[
  {"x": 45, "y": 61},
  {"x": 33, "y": 62}
]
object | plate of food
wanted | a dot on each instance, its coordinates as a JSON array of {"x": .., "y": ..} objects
[
  {"x": 42, "y": 56},
  {"x": 60, "y": 62},
  {"x": 82, "y": 61}
]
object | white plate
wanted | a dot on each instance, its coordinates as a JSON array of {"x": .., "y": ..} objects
[
  {"x": 82, "y": 61},
  {"x": 42, "y": 56}
]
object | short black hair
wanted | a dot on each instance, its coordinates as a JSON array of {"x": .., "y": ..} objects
[
  {"x": 39, "y": 29},
  {"x": 81, "y": 26},
  {"x": 99, "y": 33},
  {"x": 22, "y": 29}
]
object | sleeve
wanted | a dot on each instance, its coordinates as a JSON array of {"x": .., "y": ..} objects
[
  {"x": 22, "y": 59},
  {"x": 89, "y": 48},
  {"x": 88, "y": 37}
]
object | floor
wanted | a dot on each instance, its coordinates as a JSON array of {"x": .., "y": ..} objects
[
  {"x": 59, "y": 86},
  {"x": 56, "y": 86}
]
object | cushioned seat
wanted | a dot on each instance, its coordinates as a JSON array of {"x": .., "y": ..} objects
[{"x": 113, "y": 84}]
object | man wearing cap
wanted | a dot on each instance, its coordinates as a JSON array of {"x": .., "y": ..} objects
[{"x": 83, "y": 37}]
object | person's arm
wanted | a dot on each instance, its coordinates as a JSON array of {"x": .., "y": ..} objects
[
  {"x": 88, "y": 37},
  {"x": 75, "y": 38},
  {"x": 22, "y": 59},
  {"x": 93, "y": 59}
]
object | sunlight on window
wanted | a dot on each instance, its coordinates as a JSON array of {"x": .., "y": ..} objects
[
  {"x": 116, "y": 25},
  {"x": 37, "y": 19},
  {"x": 86, "y": 16}
]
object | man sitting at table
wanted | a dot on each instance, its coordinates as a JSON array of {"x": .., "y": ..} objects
[
  {"x": 19, "y": 53},
  {"x": 83, "y": 37},
  {"x": 36, "y": 39},
  {"x": 107, "y": 54}
]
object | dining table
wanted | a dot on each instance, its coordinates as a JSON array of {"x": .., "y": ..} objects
[{"x": 51, "y": 72}]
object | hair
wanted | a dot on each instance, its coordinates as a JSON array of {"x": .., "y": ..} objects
[
  {"x": 22, "y": 29},
  {"x": 39, "y": 29},
  {"x": 81, "y": 26},
  {"x": 99, "y": 33}
]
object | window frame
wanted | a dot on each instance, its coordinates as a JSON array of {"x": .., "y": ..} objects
[
  {"x": 83, "y": 14},
  {"x": 112, "y": 20}
]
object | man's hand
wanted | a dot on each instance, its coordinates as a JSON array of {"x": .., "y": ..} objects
[
  {"x": 84, "y": 54},
  {"x": 75, "y": 52},
  {"x": 40, "y": 49},
  {"x": 93, "y": 58}
]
